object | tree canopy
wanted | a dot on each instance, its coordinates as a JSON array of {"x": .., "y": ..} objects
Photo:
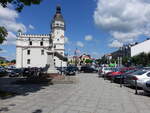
[
  {"x": 3, "y": 34},
  {"x": 18, "y": 5},
  {"x": 88, "y": 61}
]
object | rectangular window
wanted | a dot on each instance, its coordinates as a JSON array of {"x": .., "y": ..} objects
[
  {"x": 41, "y": 43},
  {"x": 42, "y": 52},
  {"x": 28, "y": 52},
  {"x": 28, "y": 61},
  {"x": 30, "y": 43}
]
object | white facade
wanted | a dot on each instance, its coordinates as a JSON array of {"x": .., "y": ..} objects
[
  {"x": 141, "y": 47},
  {"x": 31, "y": 50}
]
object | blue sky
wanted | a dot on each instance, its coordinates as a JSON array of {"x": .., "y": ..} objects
[{"x": 95, "y": 27}]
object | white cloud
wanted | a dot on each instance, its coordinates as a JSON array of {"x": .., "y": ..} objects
[
  {"x": 125, "y": 20},
  {"x": 8, "y": 19},
  {"x": 11, "y": 39},
  {"x": 31, "y": 27},
  {"x": 3, "y": 51},
  {"x": 80, "y": 44},
  {"x": 12, "y": 25},
  {"x": 88, "y": 38},
  {"x": 115, "y": 44},
  {"x": 8, "y": 14},
  {"x": 66, "y": 40},
  {"x": 125, "y": 37}
]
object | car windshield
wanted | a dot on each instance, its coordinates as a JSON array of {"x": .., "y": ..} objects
[
  {"x": 130, "y": 71},
  {"x": 70, "y": 68},
  {"x": 116, "y": 69},
  {"x": 16, "y": 70},
  {"x": 139, "y": 72},
  {"x": 107, "y": 68}
]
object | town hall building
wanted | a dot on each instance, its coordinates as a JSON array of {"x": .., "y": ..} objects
[{"x": 31, "y": 50}]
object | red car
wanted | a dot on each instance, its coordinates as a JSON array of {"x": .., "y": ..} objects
[
  {"x": 114, "y": 73},
  {"x": 118, "y": 71}
]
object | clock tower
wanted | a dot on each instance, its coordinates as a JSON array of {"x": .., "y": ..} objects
[{"x": 57, "y": 33}]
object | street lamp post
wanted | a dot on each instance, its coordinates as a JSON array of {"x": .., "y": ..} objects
[{"x": 121, "y": 56}]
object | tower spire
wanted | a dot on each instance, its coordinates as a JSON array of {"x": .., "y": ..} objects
[{"x": 58, "y": 9}]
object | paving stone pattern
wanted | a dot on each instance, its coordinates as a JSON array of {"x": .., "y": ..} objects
[{"x": 89, "y": 95}]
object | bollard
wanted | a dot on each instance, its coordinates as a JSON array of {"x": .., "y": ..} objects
[
  {"x": 104, "y": 77},
  {"x": 136, "y": 92},
  {"x": 111, "y": 79},
  {"x": 121, "y": 80}
]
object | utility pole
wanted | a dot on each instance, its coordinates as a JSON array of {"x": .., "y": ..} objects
[{"x": 75, "y": 55}]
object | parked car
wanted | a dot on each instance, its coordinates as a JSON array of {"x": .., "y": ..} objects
[
  {"x": 70, "y": 71},
  {"x": 26, "y": 72},
  {"x": 115, "y": 72},
  {"x": 146, "y": 86},
  {"x": 3, "y": 72},
  {"x": 88, "y": 69},
  {"x": 123, "y": 75},
  {"x": 104, "y": 70},
  {"x": 61, "y": 69},
  {"x": 140, "y": 76},
  {"x": 15, "y": 73}
]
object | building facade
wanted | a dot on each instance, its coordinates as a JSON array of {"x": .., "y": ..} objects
[
  {"x": 31, "y": 50},
  {"x": 132, "y": 49},
  {"x": 140, "y": 47}
]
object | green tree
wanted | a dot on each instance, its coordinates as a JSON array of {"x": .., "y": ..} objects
[
  {"x": 3, "y": 34},
  {"x": 18, "y": 5},
  {"x": 141, "y": 59},
  {"x": 88, "y": 61},
  {"x": 148, "y": 56},
  {"x": 13, "y": 61},
  {"x": 113, "y": 60},
  {"x": 103, "y": 60},
  {"x": 126, "y": 61}
]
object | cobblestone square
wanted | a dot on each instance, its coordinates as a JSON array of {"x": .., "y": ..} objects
[{"x": 89, "y": 95}]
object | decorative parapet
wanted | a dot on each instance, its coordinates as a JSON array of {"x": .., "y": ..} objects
[
  {"x": 25, "y": 46},
  {"x": 34, "y": 36}
]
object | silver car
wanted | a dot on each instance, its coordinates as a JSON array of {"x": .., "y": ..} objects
[
  {"x": 140, "y": 76},
  {"x": 146, "y": 86},
  {"x": 103, "y": 70}
]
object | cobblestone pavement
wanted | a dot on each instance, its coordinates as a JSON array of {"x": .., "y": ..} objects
[{"x": 89, "y": 95}]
